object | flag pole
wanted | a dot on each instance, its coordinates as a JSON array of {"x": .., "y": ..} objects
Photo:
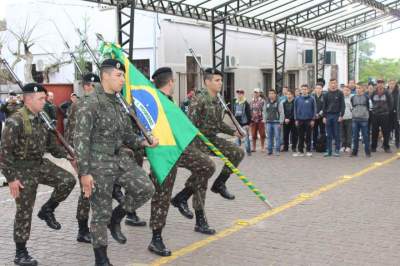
[{"x": 235, "y": 170}]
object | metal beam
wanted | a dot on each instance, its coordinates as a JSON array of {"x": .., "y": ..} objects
[
  {"x": 320, "y": 55},
  {"x": 380, "y": 6},
  {"x": 125, "y": 26},
  {"x": 373, "y": 32},
  {"x": 218, "y": 39},
  {"x": 205, "y": 14},
  {"x": 351, "y": 61},
  {"x": 280, "y": 41}
]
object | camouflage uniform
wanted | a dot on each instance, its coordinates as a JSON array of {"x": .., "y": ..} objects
[
  {"x": 206, "y": 114},
  {"x": 101, "y": 130},
  {"x": 82, "y": 212},
  {"x": 10, "y": 108},
  {"x": 201, "y": 168},
  {"x": 23, "y": 145}
]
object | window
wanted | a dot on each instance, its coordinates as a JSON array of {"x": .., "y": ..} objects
[
  {"x": 292, "y": 80},
  {"x": 308, "y": 56},
  {"x": 143, "y": 65},
  {"x": 37, "y": 75},
  {"x": 193, "y": 79},
  {"x": 330, "y": 58},
  {"x": 267, "y": 80}
]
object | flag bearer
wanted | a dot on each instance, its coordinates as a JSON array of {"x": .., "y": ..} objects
[
  {"x": 101, "y": 131},
  {"x": 201, "y": 168}
]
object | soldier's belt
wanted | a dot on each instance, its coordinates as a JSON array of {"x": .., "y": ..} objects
[
  {"x": 28, "y": 163},
  {"x": 105, "y": 148}
]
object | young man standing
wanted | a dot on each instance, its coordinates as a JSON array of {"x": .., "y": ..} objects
[
  {"x": 243, "y": 116},
  {"x": 273, "y": 117},
  {"x": 382, "y": 106},
  {"x": 304, "y": 114},
  {"x": 289, "y": 125},
  {"x": 333, "y": 111},
  {"x": 360, "y": 114},
  {"x": 319, "y": 127}
]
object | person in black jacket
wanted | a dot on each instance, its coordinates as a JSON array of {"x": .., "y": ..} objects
[
  {"x": 319, "y": 127},
  {"x": 394, "y": 123},
  {"x": 333, "y": 111},
  {"x": 243, "y": 116},
  {"x": 289, "y": 125},
  {"x": 382, "y": 107}
]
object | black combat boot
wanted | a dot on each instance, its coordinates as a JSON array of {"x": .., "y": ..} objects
[
  {"x": 22, "y": 257},
  {"x": 201, "y": 224},
  {"x": 180, "y": 202},
  {"x": 83, "y": 233},
  {"x": 100, "y": 255},
  {"x": 117, "y": 193},
  {"x": 219, "y": 187},
  {"x": 115, "y": 225},
  {"x": 46, "y": 213},
  {"x": 133, "y": 220},
  {"x": 157, "y": 245}
]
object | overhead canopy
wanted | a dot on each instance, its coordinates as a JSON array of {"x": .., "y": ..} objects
[{"x": 339, "y": 20}]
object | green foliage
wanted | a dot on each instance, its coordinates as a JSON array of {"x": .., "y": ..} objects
[{"x": 382, "y": 68}]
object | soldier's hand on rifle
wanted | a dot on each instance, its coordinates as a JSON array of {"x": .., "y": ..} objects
[
  {"x": 15, "y": 186},
  {"x": 154, "y": 144},
  {"x": 87, "y": 185}
]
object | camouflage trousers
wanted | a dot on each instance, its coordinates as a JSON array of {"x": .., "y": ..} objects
[
  {"x": 82, "y": 212},
  {"x": 138, "y": 190},
  {"x": 234, "y": 153},
  {"x": 48, "y": 174},
  {"x": 201, "y": 168}
]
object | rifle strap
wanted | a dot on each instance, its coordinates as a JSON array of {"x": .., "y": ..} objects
[{"x": 27, "y": 128}]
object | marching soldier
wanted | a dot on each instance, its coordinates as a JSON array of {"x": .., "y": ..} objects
[
  {"x": 206, "y": 113},
  {"x": 23, "y": 145},
  {"x": 12, "y": 105},
  {"x": 82, "y": 214},
  {"x": 101, "y": 131},
  {"x": 201, "y": 167}
]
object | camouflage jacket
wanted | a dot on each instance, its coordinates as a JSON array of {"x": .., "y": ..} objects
[
  {"x": 101, "y": 130},
  {"x": 23, "y": 145},
  {"x": 10, "y": 108},
  {"x": 206, "y": 114},
  {"x": 71, "y": 119}
]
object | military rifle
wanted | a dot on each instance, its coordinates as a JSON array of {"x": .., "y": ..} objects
[
  {"x": 46, "y": 119},
  {"x": 238, "y": 127}
]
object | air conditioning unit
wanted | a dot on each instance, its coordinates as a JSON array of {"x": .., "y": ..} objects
[
  {"x": 231, "y": 61},
  {"x": 330, "y": 58},
  {"x": 308, "y": 57}
]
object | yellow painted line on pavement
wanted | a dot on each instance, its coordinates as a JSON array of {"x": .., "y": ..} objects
[{"x": 241, "y": 224}]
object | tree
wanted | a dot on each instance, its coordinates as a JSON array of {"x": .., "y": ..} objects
[
  {"x": 25, "y": 41},
  {"x": 370, "y": 68}
]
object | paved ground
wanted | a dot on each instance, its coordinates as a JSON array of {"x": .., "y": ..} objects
[{"x": 350, "y": 222}]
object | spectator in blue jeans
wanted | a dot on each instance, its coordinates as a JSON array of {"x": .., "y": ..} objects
[
  {"x": 333, "y": 111},
  {"x": 360, "y": 113},
  {"x": 243, "y": 116},
  {"x": 273, "y": 116}
]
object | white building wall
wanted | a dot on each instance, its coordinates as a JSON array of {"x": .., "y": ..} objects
[{"x": 164, "y": 40}]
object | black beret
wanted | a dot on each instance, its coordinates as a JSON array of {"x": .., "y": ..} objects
[
  {"x": 161, "y": 70},
  {"x": 33, "y": 88},
  {"x": 90, "y": 77},
  {"x": 213, "y": 71},
  {"x": 113, "y": 63}
]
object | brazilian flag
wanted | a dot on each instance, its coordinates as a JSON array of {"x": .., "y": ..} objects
[{"x": 163, "y": 118}]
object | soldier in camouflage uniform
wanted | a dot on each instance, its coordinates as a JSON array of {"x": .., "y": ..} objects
[
  {"x": 201, "y": 168},
  {"x": 206, "y": 113},
  {"x": 102, "y": 128},
  {"x": 23, "y": 145},
  {"x": 82, "y": 213},
  {"x": 12, "y": 105}
]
